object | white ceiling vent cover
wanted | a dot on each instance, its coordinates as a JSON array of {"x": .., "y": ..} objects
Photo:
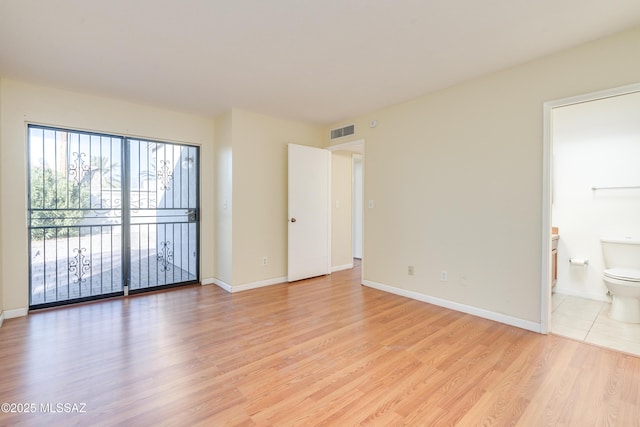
[{"x": 345, "y": 131}]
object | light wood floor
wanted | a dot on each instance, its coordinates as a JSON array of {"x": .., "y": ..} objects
[{"x": 325, "y": 351}]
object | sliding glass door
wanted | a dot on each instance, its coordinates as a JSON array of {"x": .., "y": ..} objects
[
  {"x": 163, "y": 195},
  {"x": 108, "y": 214}
]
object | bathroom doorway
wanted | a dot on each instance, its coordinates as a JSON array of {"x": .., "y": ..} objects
[{"x": 592, "y": 144}]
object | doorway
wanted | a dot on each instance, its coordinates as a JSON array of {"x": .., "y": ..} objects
[
  {"x": 109, "y": 215},
  {"x": 354, "y": 223},
  {"x": 587, "y": 165},
  {"x": 358, "y": 205}
]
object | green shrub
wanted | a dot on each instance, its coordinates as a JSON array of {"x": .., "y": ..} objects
[{"x": 55, "y": 200}]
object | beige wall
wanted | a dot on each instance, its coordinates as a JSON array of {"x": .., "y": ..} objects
[
  {"x": 341, "y": 209},
  {"x": 223, "y": 169},
  {"x": 1, "y": 203},
  {"x": 260, "y": 192},
  {"x": 456, "y": 178},
  {"x": 21, "y": 103}
]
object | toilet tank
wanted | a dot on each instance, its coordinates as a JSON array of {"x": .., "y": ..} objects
[{"x": 621, "y": 252}]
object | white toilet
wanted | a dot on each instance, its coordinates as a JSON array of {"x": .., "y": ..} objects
[{"x": 622, "y": 276}]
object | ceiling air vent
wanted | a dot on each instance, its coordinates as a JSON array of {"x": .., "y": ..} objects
[{"x": 345, "y": 131}]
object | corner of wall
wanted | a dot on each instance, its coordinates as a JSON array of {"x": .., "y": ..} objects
[
  {"x": 260, "y": 179},
  {"x": 463, "y": 308},
  {"x": 17, "y": 312},
  {"x": 221, "y": 284}
]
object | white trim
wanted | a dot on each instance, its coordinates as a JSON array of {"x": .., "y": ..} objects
[
  {"x": 247, "y": 286},
  {"x": 586, "y": 295},
  {"x": 486, "y": 314},
  {"x": 259, "y": 284},
  {"x": 587, "y": 97},
  {"x": 208, "y": 281},
  {"x": 341, "y": 267},
  {"x": 16, "y": 312},
  {"x": 227, "y": 287},
  {"x": 1, "y": 318},
  {"x": 346, "y": 145},
  {"x": 545, "y": 274},
  {"x": 547, "y": 150}
]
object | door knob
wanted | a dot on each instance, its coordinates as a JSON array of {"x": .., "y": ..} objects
[{"x": 293, "y": 220}]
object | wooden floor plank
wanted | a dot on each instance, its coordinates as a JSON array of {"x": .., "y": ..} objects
[{"x": 324, "y": 351}]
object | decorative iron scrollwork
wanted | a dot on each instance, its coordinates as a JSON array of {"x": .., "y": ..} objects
[
  {"x": 138, "y": 204},
  {"x": 108, "y": 208},
  {"x": 79, "y": 265},
  {"x": 165, "y": 174},
  {"x": 165, "y": 256},
  {"x": 78, "y": 167}
]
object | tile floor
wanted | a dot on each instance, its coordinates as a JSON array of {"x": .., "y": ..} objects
[{"x": 588, "y": 320}]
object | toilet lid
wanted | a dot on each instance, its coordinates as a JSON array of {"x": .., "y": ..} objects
[{"x": 629, "y": 274}]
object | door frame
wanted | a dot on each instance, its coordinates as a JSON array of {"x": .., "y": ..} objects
[
  {"x": 124, "y": 209},
  {"x": 128, "y": 289},
  {"x": 547, "y": 180}
]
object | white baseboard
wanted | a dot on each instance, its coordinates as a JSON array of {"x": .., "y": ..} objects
[
  {"x": 208, "y": 281},
  {"x": 16, "y": 312},
  {"x": 259, "y": 284},
  {"x": 220, "y": 283},
  {"x": 486, "y": 314},
  {"x": 244, "y": 287},
  {"x": 587, "y": 295},
  {"x": 341, "y": 267},
  {"x": 1, "y": 318}
]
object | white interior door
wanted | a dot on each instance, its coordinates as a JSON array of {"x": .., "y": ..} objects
[{"x": 309, "y": 212}]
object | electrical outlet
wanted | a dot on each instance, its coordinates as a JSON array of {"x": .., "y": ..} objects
[
  {"x": 265, "y": 261},
  {"x": 410, "y": 270},
  {"x": 444, "y": 276}
]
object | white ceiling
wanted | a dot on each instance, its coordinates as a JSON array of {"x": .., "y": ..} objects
[{"x": 320, "y": 61}]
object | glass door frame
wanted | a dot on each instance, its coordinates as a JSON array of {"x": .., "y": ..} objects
[
  {"x": 192, "y": 214},
  {"x": 74, "y": 263}
]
